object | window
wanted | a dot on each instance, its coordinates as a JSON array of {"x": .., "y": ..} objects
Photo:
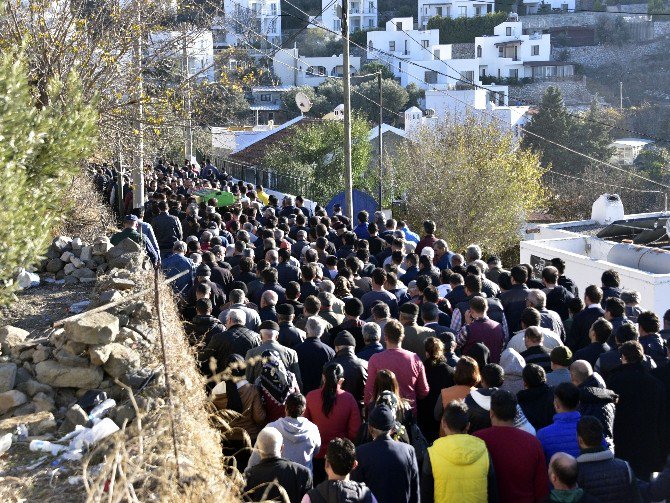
[
  {"x": 514, "y": 74},
  {"x": 479, "y": 51},
  {"x": 272, "y": 26},
  {"x": 448, "y": 11},
  {"x": 392, "y": 46},
  {"x": 266, "y": 97},
  {"x": 535, "y": 50},
  {"x": 254, "y": 8},
  {"x": 478, "y": 10},
  {"x": 508, "y": 31},
  {"x": 424, "y": 43},
  {"x": 370, "y": 46},
  {"x": 371, "y": 8},
  {"x": 337, "y": 25},
  {"x": 371, "y": 23},
  {"x": 436, "y": 54},
  {"x": 482, "y": 71},
  {"x": 317, "y": 71},
  {"x": 398, "y": 26},
  {"x": 438, "y": 11},
  {"x": 501, "y": 52},
  {"x": 271, "y": 116},
  {"x": 430, "y": 77},
  {"x": 406, "y": 47},
  {"x": 273, "y": 9},
  {"x": 463, "y": 11}
]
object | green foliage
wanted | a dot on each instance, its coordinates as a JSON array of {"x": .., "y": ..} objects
[
  {"x": 657, "y": 7},
  {"x": 315, "y": 153},
  {"x": 472, "y": 180},
  {"x": 504, "y": 5},
  {"x": 465, "y": 29},
  {"x": 588, "y": 136},
  {"x": 415, "y": 94},
  {"x": 366, "y": 97},
  {"x": 598, "y": 6},
  {"x": 654, "y": 162},
  {"x": 318, "y": 43},
  {"x": 39, "y": 155},
  {"x": 374, "y": 67}
]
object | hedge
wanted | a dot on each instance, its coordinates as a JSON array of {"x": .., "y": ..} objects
[{"x": 465, "y": 29}]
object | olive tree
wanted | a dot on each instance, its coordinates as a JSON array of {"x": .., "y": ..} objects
[{"x": 472, "y": 179}]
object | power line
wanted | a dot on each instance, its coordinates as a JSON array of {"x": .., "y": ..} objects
[
  {"x": 607, "y": 164},
  {"x": 604, "y": 183}
]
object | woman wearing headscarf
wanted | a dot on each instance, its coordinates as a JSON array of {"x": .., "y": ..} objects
[
  {"x": 275, "y": 384},
  {"x": 334, "y": 411}
]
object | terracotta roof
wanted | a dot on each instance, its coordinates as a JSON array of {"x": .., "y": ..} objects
[{"x": 254, "y": 153}]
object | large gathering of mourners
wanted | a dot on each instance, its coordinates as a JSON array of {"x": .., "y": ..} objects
[{"x": 363, "y": 361}]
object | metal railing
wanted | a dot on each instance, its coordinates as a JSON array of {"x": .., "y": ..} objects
[{"x": 269, "y": 179}]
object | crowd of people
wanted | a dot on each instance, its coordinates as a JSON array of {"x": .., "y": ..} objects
[{"x": 362, "y": 361}]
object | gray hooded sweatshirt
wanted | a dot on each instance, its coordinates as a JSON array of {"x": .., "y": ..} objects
[{"x": 301, "y": 441}]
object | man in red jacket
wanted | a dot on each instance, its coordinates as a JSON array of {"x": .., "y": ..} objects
[{"x": 518, "y": 460}]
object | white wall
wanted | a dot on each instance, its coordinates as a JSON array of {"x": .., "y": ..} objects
[
  {"x": 265, "y": 15},
  {"x": 363, "y": 15},
  {"x": 585, "y": 271},
  {"x": 286, "y": 61},
  {"x": 453, "y": 9}
]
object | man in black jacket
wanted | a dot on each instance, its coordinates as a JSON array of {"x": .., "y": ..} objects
[
  {"x": 639, "y": 423},
  {"x": 313, "y": 354},
  {"x": 203, "y": 325},
  {"x": 355, "y": 369},
  {"x": 537, "y": 399},
  {"x": 607, "y": 362},
  {"x": 514, "y": 299},
  {"x": 558, "y": 297},
  {"x": 611, "y": 285},
  {"x": 274, "y": 471},
  {"x": 594, "y": 398},
  {"x": 583, "y": 320},
  {"x": 167, "y": 229},
  {"x": 286, "y": 271},
  {"x": 237, "y": 338},
  {"x": 389, "y": 468}
]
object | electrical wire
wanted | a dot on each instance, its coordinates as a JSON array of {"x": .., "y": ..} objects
[
  {"x": 604, "y": 183},
  {"x": 604, "y": 163}
]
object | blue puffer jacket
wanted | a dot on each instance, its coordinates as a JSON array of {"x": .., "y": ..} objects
[{"x": 561, "y": 436}]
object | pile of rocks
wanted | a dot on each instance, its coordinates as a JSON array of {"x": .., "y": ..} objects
[
  {"x": 73, "y": 261},
  {"x": 47, "y": 377},
  {"x": 47, "y": 383}
]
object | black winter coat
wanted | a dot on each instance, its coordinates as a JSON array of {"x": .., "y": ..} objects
[
  {"x": 355, "y": 372},
  {"x": 538, "y": 405},
  {"x": 294, "y": 478},
  {"x": 599, "y": 402},
  {"x": 639, "y": 422}
]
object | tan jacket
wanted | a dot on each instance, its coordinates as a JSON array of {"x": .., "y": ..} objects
[{"x": 253, "y": 418}]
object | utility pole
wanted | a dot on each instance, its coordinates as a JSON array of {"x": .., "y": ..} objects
[
  {"x": 620, "y": 95},
  {"x": 188, "y": 126},
  {"x": 119, "y": 183},
  {"x": 138, "y": 168},
  {"x": 380, "y": 142},
  {"x": 348, "y": 195}
]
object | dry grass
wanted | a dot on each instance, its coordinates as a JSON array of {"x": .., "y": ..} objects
[
  {"x": 139, "y": 464},
  {"x": 88, "y": 217}
]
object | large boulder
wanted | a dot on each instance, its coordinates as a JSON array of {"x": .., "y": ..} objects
[
  {"x": 101, "y": 246},
  {"x": 11, "y": 399},
  {"x": 54, "y": 265},
  {"x": 7, "y": 376},
  {"x": 69, "y": 268},
  {"x": 86, "y": 253},
  {"x": 58, "y": 375},
  {"x": 11, "y": 337},
  {"x": 121, "y": 360},
  {"x": 97, "y": 328},
  {"x": 83, "y": 273},
  {"x": 99, "y": 354}
]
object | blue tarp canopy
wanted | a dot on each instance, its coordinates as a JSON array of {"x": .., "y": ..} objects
[{"x": 362, "y": 201}]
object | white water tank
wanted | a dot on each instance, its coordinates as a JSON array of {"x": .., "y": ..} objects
[{"x": 607, "y": 208}]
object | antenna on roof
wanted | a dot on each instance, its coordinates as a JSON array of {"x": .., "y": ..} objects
[{"x": 303, "y": 102}]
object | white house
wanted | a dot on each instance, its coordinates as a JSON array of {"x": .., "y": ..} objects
[
  {"x": 508, "y": 53},
  {"x": 533, "y": 6},
  {"x": 362, "y": 15},
  {"x": 199, "y": 50},
  {"x": 243, "y": 22},
  {"x": 295, "y": 70},
  {"x": 487, "y": 102},
  {"x": 453, "y": 9},
  {"x": 626, "y": 150}
]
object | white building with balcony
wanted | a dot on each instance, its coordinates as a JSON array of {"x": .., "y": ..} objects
[
  {"x": 295, "y": 70},
  {"x": 453, "y": 9},
  {"x": 508, "y": 53},
  {"x": 535, "y": 6},
  {"x": 362, "y": 15},
  {"x": 626, "y": 150},
  {"x": 248, "y": 22},
  {"x": 489, "y": 103},
  {"x": 199, "y": 51}
]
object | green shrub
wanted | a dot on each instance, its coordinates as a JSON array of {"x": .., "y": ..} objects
[{"x": 464, "y": 29}]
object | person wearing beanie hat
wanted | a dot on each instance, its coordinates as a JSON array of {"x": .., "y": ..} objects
[
  {"x": 289, "y": 335},
  {"x": 269, "y": 331},
  {"x": 295, "y": 479},
  {"x": 561, "y": 358},
  {"x": 389, "y": 468},
  {"x": 355, "y": 369},
  {"x": 353, "y": 309}
]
